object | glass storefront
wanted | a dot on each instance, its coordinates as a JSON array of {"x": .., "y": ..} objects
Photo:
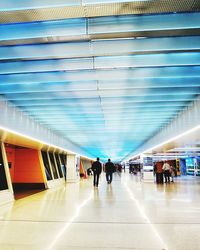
[
  {"x": 53, "y": 165},
  {"x": 63, "y": 159},
  {"x": 58, "y": 165},
  {"x": 3, "y": 179},
  {"x": 46, "y": 165}
]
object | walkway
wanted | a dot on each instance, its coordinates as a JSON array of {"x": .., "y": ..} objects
[{"x": 125, "y": 215}]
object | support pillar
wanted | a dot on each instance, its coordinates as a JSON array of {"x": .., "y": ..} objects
[
  {"x": 73, "y": 163},
  {"x": 6, "y": 195},
  {"x": 147, "y": 169}
]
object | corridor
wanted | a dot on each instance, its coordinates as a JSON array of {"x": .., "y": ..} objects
[{"x": 128, "y": 214}]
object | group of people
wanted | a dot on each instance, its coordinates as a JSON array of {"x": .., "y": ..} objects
[
  {"x": 164, "y": 169},
  {"x": 97, "y": 169},
  {"x": 134, "y": 168},
  {"x": 160, "y": 169}
]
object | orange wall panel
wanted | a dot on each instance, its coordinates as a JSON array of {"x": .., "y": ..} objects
[{"x": 27, "y": 167}]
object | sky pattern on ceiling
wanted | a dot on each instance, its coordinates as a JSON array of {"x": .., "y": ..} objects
[{"x": 102, "y": 88}]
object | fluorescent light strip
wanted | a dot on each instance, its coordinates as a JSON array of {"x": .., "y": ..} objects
[
  {"x": 42, "y": 142},
  {"x": 167, "y": 141}
]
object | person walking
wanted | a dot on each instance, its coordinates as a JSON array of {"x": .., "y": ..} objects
[
  {"x": 158, "y": 172},
  {"x": 96, "y": 168},
  {"x": 166, "y": 169},
  {"x": 109, "y": 169},
  {"x": 172, "y": 172}
]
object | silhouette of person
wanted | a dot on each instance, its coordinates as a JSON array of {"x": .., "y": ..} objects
[
  {"x": 166, "y": 169},
  {"x": 109, "y": 169},
  {"x": 96, "y": 168}
]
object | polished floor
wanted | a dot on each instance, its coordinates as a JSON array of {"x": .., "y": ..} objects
[
  {"x": 128, "y": 214},
  {"x": 19, "y": 194}
]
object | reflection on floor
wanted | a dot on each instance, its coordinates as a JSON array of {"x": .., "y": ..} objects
[
  {"x": 128, "y": 214},
  {"x": 22, "y": 190},
  {"x": 19, "y": 194}
]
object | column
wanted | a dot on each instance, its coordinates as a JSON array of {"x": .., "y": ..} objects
[
  {"x": 73, "y": 162},
  {"x": 147, "y": 163}
]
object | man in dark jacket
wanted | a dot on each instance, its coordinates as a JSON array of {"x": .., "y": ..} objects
[
  {"x": 109, "y": 169},
  {"x": 96, "y": 168}
]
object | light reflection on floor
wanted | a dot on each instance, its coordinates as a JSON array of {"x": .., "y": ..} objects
[{"x": 128, "y": 214}]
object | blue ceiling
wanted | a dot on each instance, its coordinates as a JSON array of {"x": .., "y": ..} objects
[{"x": 108, "y": 83}]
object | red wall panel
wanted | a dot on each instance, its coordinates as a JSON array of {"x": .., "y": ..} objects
[{"x": 27, "y": 167}]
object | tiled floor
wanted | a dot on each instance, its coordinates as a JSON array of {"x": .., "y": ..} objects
[{"x": 128, "y": 214}]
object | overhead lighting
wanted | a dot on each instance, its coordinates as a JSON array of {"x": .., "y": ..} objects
[
  {"x": 141, "y": 37},
  {"x": 167, "y": 141},
  {"x": 184, "y": 149},
  {"x": 42, "y": 142}
]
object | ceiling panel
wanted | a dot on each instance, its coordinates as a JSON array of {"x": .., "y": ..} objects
[
  {"x": 90, "y": 79},
  {"x": 85, "y": 76},
  {"x": 26, "y": 11},
  {"x": 102, "y": 62},
  {"x": 100, "y": 48},
  {"x": 78, "y": 28}
]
